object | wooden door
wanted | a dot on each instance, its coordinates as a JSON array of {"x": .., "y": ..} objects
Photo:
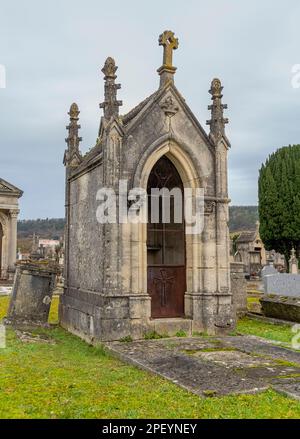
[{"x": 166, "y": 247}]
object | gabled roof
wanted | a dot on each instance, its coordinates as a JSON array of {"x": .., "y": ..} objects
[
  {"x": 9, "y": 189},
  {"x": 141, "y": 109},
  {"x": 127, "y": 121},
  {"x": 247, "y": 236},
  {"x": 126, "y": 118}
]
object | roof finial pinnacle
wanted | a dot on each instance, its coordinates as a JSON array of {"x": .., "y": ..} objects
[
  {"x": 73, "y": 156},
  {"x": 217, "y": 122},
  {"x": 111, "y": 104},
  {"x": 109, "y": 69},
  {"x": 74, "y": 111}
]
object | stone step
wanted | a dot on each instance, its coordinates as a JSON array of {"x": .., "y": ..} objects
[{"x": 171, "y": 326}]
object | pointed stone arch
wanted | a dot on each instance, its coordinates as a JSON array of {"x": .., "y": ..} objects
[
  {"x": 138, "y": 232},
  {"x": 179, "y": 156}
]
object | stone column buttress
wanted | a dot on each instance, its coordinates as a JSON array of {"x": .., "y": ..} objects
[
  {"x": 218, "y": 137},
  {"x": 72, "y": 159},
  {"x": 12, "y": 251}
]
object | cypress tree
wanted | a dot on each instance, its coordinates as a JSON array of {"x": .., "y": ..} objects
[{"x": 279, "y": 200}]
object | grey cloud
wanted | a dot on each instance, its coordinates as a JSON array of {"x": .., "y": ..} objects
[{"x": 54, "y": 51}]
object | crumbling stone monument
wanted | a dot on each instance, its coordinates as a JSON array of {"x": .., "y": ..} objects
[
  {"x": 251, "y": 251},
  {"x": 32, "y": 293},
  {"x": 125, "y": 279},
  {"x": 238, "y": 288}
]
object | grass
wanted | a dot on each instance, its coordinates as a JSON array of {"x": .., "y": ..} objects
[
  {"x": 127, "y": 339},
  {"x": 253, "y": 304},
  {"x": 70, "y": 379},
  {"x": 153, "y": 335},
  {"x": 252, "y": 300},
  {"x": 282, "y": 333},
  {"x": 180, "y": 333}
]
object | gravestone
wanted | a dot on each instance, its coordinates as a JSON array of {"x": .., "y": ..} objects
[
  {"x": 282, "y": 292},
  {"x": 32, "y": 293},
  {"x": 268, "y": 269},
  {"x": 282, "y": 284},
  {"x": 293, "y": 262}
]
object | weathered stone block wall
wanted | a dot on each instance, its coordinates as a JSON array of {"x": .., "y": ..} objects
[
  {"x": 85, "y": 233},
  {"x": 94, "y": 316}
]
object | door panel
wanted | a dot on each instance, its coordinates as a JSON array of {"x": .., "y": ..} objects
[
  {"x": 166, "y": 286},
  {"x": 166, "y": 248}
]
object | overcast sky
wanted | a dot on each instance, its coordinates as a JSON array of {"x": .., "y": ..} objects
[{"x": 54, "y": 50}]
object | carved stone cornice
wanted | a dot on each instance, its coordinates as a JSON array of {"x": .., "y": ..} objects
[
  {"x": 3, "y": 221},
  {"x": 209, "y": 207},
  {"x": 14, "y": 213},
  {"x": 218, "y": 199}
]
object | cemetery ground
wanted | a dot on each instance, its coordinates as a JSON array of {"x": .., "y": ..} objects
[{"x": 50, "y": 373}]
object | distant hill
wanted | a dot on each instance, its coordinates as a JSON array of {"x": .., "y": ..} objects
[
  {"x": 241, "y": 218},
  {"x": 52, "y": 228}
]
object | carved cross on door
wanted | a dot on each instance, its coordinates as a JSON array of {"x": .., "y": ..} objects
[
  {"x": 170, "y": 43},
  {"x": 163, "y": 281}
]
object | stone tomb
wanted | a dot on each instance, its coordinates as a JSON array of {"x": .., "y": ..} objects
[{"x": 125, "y": 279}]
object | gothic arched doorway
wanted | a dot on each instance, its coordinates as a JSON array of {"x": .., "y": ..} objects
[{"x": 166, "y": 259}]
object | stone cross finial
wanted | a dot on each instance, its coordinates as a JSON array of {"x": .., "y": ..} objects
[
  {"x": 72, "y": 156},
  {"x": 217, "y": 122},
  {"x": 169, "y": 42},
  {"x": 111, "y": 104}
]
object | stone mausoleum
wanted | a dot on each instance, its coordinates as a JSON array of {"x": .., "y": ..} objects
[
  {"x": 9, "y": 210},
  {"x": 129, "y": 279}
]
